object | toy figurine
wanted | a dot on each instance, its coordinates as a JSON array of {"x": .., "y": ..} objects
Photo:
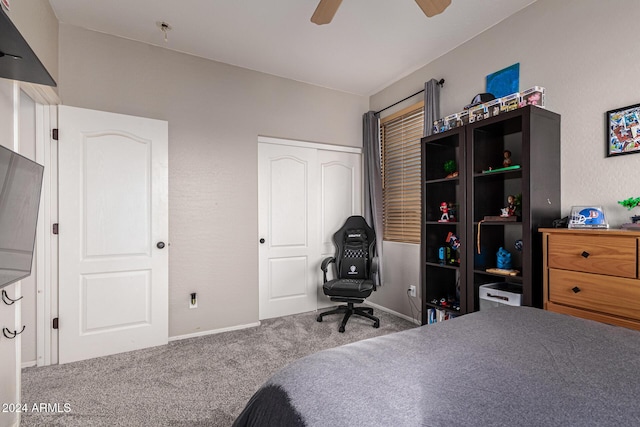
[
  {"x": 452, "y": 211},
  {"x": 510, "y": 209},
  {"x": 511, "y": 205},
  {"x": 444, "y": 208},
  {"x": 503, "y": 259},
  {"x": 518, "y": 245},
  {"x": 453, "y": 241},
  {"x": 506, "y": 162}
]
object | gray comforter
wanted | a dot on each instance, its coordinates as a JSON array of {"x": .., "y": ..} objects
[{"x": 507, "y": 366}]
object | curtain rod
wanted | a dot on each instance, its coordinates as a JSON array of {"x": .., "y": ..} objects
[{"x": 440, "y": 83}]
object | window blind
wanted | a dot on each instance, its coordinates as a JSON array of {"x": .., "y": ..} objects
[{"x": 401, "y": 171}]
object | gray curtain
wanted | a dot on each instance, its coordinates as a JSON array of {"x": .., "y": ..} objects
[
  {"x": 431, "y": 105},
  {"x": 373, "y": 182}
]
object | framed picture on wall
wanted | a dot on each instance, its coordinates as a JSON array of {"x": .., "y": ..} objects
[
  {"x": 504, "y": 82},
  {"x": 623, "y": 130}
]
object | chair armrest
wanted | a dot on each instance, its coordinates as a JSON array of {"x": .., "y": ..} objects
[
  {"x": 324, "y": 266},
  {"x": 374, "y": 271}
]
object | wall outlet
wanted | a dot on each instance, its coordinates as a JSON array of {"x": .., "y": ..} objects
[
  {"x": 412, "y": 290},
  {"x": 193, "y": 301}
]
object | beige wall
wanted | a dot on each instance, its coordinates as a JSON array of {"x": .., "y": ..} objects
[
  {"x": 577, "y": 50},
  {"x": 215, "y": 113},
  {"x": 39, "y": 26},
  {"x": 574, "y": 48}
]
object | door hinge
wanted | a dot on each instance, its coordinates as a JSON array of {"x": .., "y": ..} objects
[
  {"x": 55, "y": 228},
  {"x": 55, "y": 323},
  {"x": 54, "y": 134}
]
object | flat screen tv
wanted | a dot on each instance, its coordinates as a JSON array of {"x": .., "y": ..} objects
[{"x": 20, "y": 185}]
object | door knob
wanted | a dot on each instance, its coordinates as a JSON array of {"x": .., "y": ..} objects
[
  {"x": 262, "y": 241},
  {"x": 160, "y": 245}
]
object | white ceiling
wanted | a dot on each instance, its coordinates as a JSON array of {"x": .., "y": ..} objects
[{"x": 369, "y": 45}]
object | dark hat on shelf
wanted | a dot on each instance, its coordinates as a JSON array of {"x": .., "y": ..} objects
[{"x": 480, "y": 99}]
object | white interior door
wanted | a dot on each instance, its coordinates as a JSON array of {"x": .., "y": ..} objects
[
  {"x": 113, "y": 216},
  {"x": 305, "y": 194}
]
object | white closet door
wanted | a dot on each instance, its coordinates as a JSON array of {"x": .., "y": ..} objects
[
  {"x": 340, "y": 197},
  {"x": 304, "y": 195}
]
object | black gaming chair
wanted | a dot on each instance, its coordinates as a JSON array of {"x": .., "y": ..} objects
[{"x": 355, "y": 266}]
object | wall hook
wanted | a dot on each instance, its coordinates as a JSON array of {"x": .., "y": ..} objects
[
  {"x": 11, "y": 335},
  {"x": 7, "y": 299}
]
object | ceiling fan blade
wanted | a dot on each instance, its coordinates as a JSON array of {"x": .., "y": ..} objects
[
  {"x": 10, "y": 55},
  {"x": 433, "y": 7},
  {"x": 325, "y": 11}
]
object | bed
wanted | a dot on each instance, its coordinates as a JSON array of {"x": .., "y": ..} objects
[{"x": 505, "y": 366}]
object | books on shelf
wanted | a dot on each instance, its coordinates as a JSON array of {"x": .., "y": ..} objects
[{"x": 436, "y": 315}]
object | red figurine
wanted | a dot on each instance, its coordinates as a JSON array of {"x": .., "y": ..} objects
[{"x": 444, "y": 208}]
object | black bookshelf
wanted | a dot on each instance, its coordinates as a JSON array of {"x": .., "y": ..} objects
[{"x": 477, "y": 194}]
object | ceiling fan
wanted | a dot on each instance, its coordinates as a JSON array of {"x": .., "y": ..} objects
[{"x": 327, "y": 8}]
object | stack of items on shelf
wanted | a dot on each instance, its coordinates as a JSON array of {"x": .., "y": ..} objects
[
  {"x": 436, "y": 315},
  {"x": 494, "y": 107}
]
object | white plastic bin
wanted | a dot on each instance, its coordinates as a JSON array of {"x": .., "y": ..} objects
[{"x": 501, "y": 293}]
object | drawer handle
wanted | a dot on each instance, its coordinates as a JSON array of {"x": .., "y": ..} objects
[
  {"x": 576, "y": 289},
  {"x": 585, "y": 254}
]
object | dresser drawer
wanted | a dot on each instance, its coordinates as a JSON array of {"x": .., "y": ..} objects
[
  {"x": 614, "y": 256},
  {"x": 614, "y": 295}
]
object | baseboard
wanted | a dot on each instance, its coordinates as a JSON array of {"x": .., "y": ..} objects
[
  {"x": 395, "y": 313},
  {"x": 214, "y": 331},
  {"x": 253, "y": 325},
  {"x": 29, "y": 364}
]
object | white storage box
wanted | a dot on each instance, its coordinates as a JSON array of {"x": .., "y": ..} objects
[
  {"x": 451, "y": 121},
  {"x": 510, "y": 102},
  {"x": 438, "y": 126},
  {"x": 493, "y": 107},
  {"x": 463, "y": 118},
  {"x": 501, "y": 293},
  {"x": 477, "y": 113},
  {"x": 533, "y": 96}
]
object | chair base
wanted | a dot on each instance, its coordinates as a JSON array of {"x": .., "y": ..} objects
[{"x": 348, "y": 311}]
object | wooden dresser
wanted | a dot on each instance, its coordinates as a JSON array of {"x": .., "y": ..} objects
[{"x": 592, "y": 274}]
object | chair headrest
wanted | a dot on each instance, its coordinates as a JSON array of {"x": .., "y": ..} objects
[{"x": 355, "y": 227}]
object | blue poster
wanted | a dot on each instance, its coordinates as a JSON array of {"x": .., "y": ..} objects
[{"x": 504, "y": 82}]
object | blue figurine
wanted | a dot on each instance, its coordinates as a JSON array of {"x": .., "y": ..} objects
[{"x": 504, "y": 259}]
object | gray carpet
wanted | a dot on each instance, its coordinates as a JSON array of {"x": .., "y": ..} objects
[{"x": 204, "y": 381}]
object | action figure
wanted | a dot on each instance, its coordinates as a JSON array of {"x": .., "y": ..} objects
[
  {"x": 510, "y": 210},
  {"x": 453, "y": 241},
  {"x": 503, "y": 259},
  {"x": 507, "y": 159},
  {"x": 511, "y": 205},
  {"x": 444, "y": 208}
]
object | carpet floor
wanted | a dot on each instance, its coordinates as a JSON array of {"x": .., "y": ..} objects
[{"x": 203, "y": 381}]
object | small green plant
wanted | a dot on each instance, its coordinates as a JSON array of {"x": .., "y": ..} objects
[
  {"x": 518, "y": 201},
  {"x": 630, "y": 203},
  {"x": 450, "y": 166}
]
